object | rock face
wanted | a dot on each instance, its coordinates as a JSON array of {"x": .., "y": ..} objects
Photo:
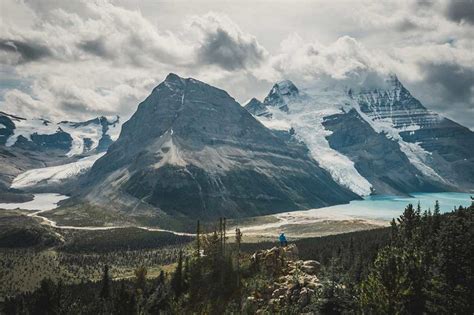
[
  {"x": 376, "y": 157},
  {"x": 449, "y": 145},
  {"x": 379, "y": 140},
  {"x": 295, "y": 280},
  {"x": 191, "y": 150},
  {"x": 255, "y": 107}
]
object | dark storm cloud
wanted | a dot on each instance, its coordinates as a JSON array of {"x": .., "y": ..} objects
[
  {"x": 456, "y": 82},
  {"x": 95, "y": 47},
  {"x": 28, "y": 51},
  {"x": 460, "y": 10},
  {"x": 221, "y": 49}
]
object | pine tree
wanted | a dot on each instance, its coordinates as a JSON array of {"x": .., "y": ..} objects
[
  {"x": 158, "y": 302},
  {"x": 177, "y": 278},
  {"x": 105, "y": 290},
  {"x": 198, "y": 239},
  {"x": 238, "y": 241},
  {"x": 186, "y": 274},
  {"x": 408, "y": 222},
  {"x": 436, "y": 217},
  {"x": 224, "y": 227},
  {"x": 140, "y": 279}
]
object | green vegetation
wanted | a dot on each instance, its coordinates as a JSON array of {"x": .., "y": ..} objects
[
  {"x": 20, "y": 231},
  {"x": 427, "y": 268},
  {"x": 119, "y": 239},
  {"x": 422, "y": 264}
]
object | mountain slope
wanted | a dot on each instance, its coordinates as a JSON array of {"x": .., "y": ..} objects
[
  {"x": 191, "y": 150},
  {"x": 362, "y": 138}
]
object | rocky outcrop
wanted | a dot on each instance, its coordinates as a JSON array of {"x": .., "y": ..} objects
[{"x": 295, "y": 281}]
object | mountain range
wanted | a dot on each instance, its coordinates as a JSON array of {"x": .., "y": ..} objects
[
  {"x": 28, "y": 144},
  {"x": 380, "y": 140},
  {"x": 191, "y": 151}
]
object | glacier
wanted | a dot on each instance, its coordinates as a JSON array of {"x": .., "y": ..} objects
[
  {"x": 305, "y": 115},
  {"x": 54, "y": 174}
]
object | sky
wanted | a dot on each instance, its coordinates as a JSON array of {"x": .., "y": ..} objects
[{"x": 74, "y": 60}]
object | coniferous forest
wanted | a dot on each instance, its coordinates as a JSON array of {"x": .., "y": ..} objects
[{"x": 422, "y": 264}]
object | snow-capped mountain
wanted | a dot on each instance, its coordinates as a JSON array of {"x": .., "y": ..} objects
[
  {"x": 40, "y": 151},
  {"x": 373, "y": 140},
  {"x": 191, "y": 150},
  {"x": 73, "y": 138}
]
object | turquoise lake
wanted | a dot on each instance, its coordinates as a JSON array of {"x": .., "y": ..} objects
[{"x": 388, "y": 207}]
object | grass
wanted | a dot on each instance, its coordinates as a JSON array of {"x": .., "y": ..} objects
[{"x": 87, "y": 215}]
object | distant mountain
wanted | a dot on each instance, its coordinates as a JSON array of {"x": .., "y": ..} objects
[
  {"x": 374, "y": 140},
  {"x": 255, "y": 107},
  {"x": 446, "y": 145},
  {"x": 70, "y": 138},
  {"x": 191, "y": 150},
  {"x": 29, "y": 143}
]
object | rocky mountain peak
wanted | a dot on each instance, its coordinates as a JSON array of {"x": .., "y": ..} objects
[
  {"x": 394, "y": 102},
  {"x": 257, "y": 108},
  {"x": 191, "y": 149},
  {"x": 281, "y": 93}
]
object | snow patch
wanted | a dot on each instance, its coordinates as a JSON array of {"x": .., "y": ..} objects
[
  {"x": 275, "y": 124},
  {"x": 28, "y": 127},
  {"x": 54, "y": 174},
  {"x": 171, "y": 154}
]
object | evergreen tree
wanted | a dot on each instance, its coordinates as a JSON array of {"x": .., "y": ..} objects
[
  {"x": 45, "y": 298},
  {"x": 198, "y": 239},
  {"x": 140, "y": 279},
  {"x": 159, "y": 302},
  {"x": 177, "y": 278},
  {"x": 105, "y": 290},
  {"x": 238, "y": 242}
]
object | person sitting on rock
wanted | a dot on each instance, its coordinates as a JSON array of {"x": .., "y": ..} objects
[{"x": 283, "y": 241}]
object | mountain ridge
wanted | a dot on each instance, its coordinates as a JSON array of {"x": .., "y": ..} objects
[
  {"x": 390, "y": 110},
  {"x": 191, "y": 149}
]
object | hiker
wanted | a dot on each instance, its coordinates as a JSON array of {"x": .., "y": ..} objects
[{"x": 283, "y": 241}]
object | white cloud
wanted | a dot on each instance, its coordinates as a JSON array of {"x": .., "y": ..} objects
[{"x": 78, "y": 59}]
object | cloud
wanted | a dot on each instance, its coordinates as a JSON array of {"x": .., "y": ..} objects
[
  {"x": 225, "y": 45},
  {"x": 456, "y": 83},
  {"x": 460, "y": 11},
  {"x": 77, "y": 59},
  {"x": 23, "y": 51},
  {"x": 345, "y": 61},
  {"x": 95, "y": 47}
]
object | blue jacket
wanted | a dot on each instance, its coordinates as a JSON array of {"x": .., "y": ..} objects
[{"x": 282, "y": 237}]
